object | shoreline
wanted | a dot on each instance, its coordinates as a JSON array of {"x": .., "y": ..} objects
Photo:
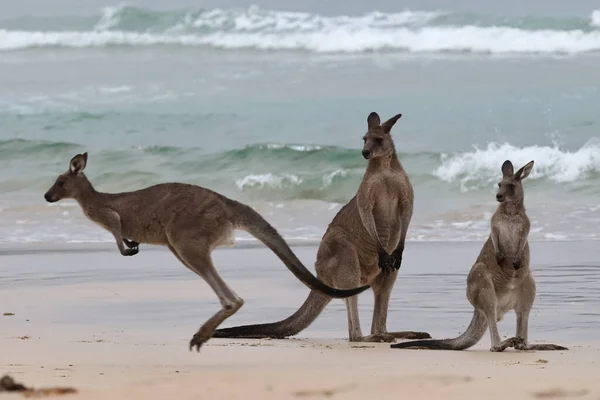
[{"x": 7, "y": 249}]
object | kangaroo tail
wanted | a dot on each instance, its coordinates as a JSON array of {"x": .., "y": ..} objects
[
  {"x": 469, "y": 338},
  {"x": 257, "y": 226},
  {"x": 300, "y": 320}
]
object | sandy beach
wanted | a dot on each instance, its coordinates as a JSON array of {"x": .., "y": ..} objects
[{"x": 118, "y": 328}]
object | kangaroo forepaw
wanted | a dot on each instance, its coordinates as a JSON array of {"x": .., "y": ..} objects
[
  {"x": 131, "y": 252},
  {"x": 397, "y": 256},
  {"x": 130, "y": 243},
  {"x": 386, "y": 263},
  {"x": 514, "y": 342}
]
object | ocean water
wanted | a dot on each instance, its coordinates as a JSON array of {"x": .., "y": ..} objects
[{"x": 267, "y": 104}]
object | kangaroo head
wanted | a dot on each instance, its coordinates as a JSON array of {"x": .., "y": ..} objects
[
  {"x": 378, "y": 141},
  {"x": 510, "y": 188},
  {"x": 69, "y": 184}
]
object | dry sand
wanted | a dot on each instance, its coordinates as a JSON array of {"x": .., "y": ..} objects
[
  {"x": 105, "y": 367},
  {"x": 118, "y": 328}
]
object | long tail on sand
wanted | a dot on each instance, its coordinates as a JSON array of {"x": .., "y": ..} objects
[
  {"x": 469, "y": 338},
  {"x": 300, "y": 320}
]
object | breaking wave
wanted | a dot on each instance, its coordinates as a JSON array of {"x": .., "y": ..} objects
[
  {"x": 258, "y": 29},
  {"x": 480, "y": 167}
]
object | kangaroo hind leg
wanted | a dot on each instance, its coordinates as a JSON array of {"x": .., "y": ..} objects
[
  {"x": 382, "y": 290},
  {"x": 522, "y": 311},
  {"x": 197, "y": 258},
  {"x": 338, "y": 265}
]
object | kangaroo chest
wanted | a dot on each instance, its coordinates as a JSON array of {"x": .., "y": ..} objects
[
  {"x": 388, "y": 209},
  {"x": 510, "y": 235}
]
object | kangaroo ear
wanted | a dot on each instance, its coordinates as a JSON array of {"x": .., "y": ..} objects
[
  {"x": 525, "y": 171},
  {"x": 387, "y": 125},
  {"x": 78, "y": 163},
  {"x": 507, "y": 169},
  {"x": 373, "y": 120}
]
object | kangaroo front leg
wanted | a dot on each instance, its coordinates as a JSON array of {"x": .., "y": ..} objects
[
  {"x": 112, "y": 222},
  {"x": 399, "y": 251},
  {"x": 365, "y": 211}
]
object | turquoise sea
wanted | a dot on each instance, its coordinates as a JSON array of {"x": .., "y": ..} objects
[{"x": 267, "y": 103}]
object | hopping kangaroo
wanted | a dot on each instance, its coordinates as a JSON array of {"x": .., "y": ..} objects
[
  {"x": 363, "y": 245},
  {"x": 500, "y": 280},
  {"x": 191, "y": 221}
]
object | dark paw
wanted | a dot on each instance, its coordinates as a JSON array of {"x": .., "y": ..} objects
[
  {"x": 130, "y": 243},
  {"x": 197, "y": 342},
  {"x": 386, "y": 262},
  {"x": 397, "y": 256},
  {"x": 131, "y": 252}
]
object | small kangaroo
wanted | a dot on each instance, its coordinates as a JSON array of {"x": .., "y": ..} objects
[
  {"x": 362, "y": 245},
  {"x": 191, "y": 221},
  {"x": 500, "y": 280}
]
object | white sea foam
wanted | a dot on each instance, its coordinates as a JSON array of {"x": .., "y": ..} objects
[
  {"x": 267, "y": 180},
  {"x": 328, "y": 178},
  {"x": 595, "y": 19},
  {"x": 115, "y": 89},
  {"x": 479, "y": 167},
  {"x": 407, "y": 31},
  {"x": 256, "y": 19},
  {"x": 110, "y": 17},
  {"x": 295, "y": 147}
]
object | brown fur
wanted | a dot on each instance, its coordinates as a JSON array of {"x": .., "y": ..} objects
[
  {"x": 500, "y": 280},
  {"x": 191, "y": 221},
  {"x": 363, "y": 245}
]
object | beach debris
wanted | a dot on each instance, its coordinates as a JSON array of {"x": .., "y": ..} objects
[
  {"x": 8, "y": 314},
  {"x": 560, "y": 393},
  {"x": 8, "y": 384},
  {"x": 314, "y": 393},
  {"x": 542, "y": 361},
  {"x": 321, "y": 392}
]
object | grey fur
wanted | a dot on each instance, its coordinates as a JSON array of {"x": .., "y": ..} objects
[
  {"x": 500, "y": 280},
  {"x": 191, "y": 220},
  {"x": 363, "y": 245}
]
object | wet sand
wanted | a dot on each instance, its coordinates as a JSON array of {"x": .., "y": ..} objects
[{"x": 118, "y": 327}]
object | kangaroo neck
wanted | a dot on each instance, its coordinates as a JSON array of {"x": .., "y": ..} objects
[
  {"x": 384, "y": 163},
  {"x": 87, "y": 195},
  {"x": 512, "y": 207}
]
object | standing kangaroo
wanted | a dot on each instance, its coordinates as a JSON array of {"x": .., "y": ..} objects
[
  {"x": 191, "y": 221},
  {"x": 363, "y": 245},
  {"x": 500, "y": 280}
]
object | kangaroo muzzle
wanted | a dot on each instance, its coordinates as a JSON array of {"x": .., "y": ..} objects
[{"x": 49, "y": 198}]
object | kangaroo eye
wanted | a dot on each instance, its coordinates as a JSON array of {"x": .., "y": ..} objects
[
  {"x": 60, "y": 183},
  {"x": 378, "y": 141}
]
